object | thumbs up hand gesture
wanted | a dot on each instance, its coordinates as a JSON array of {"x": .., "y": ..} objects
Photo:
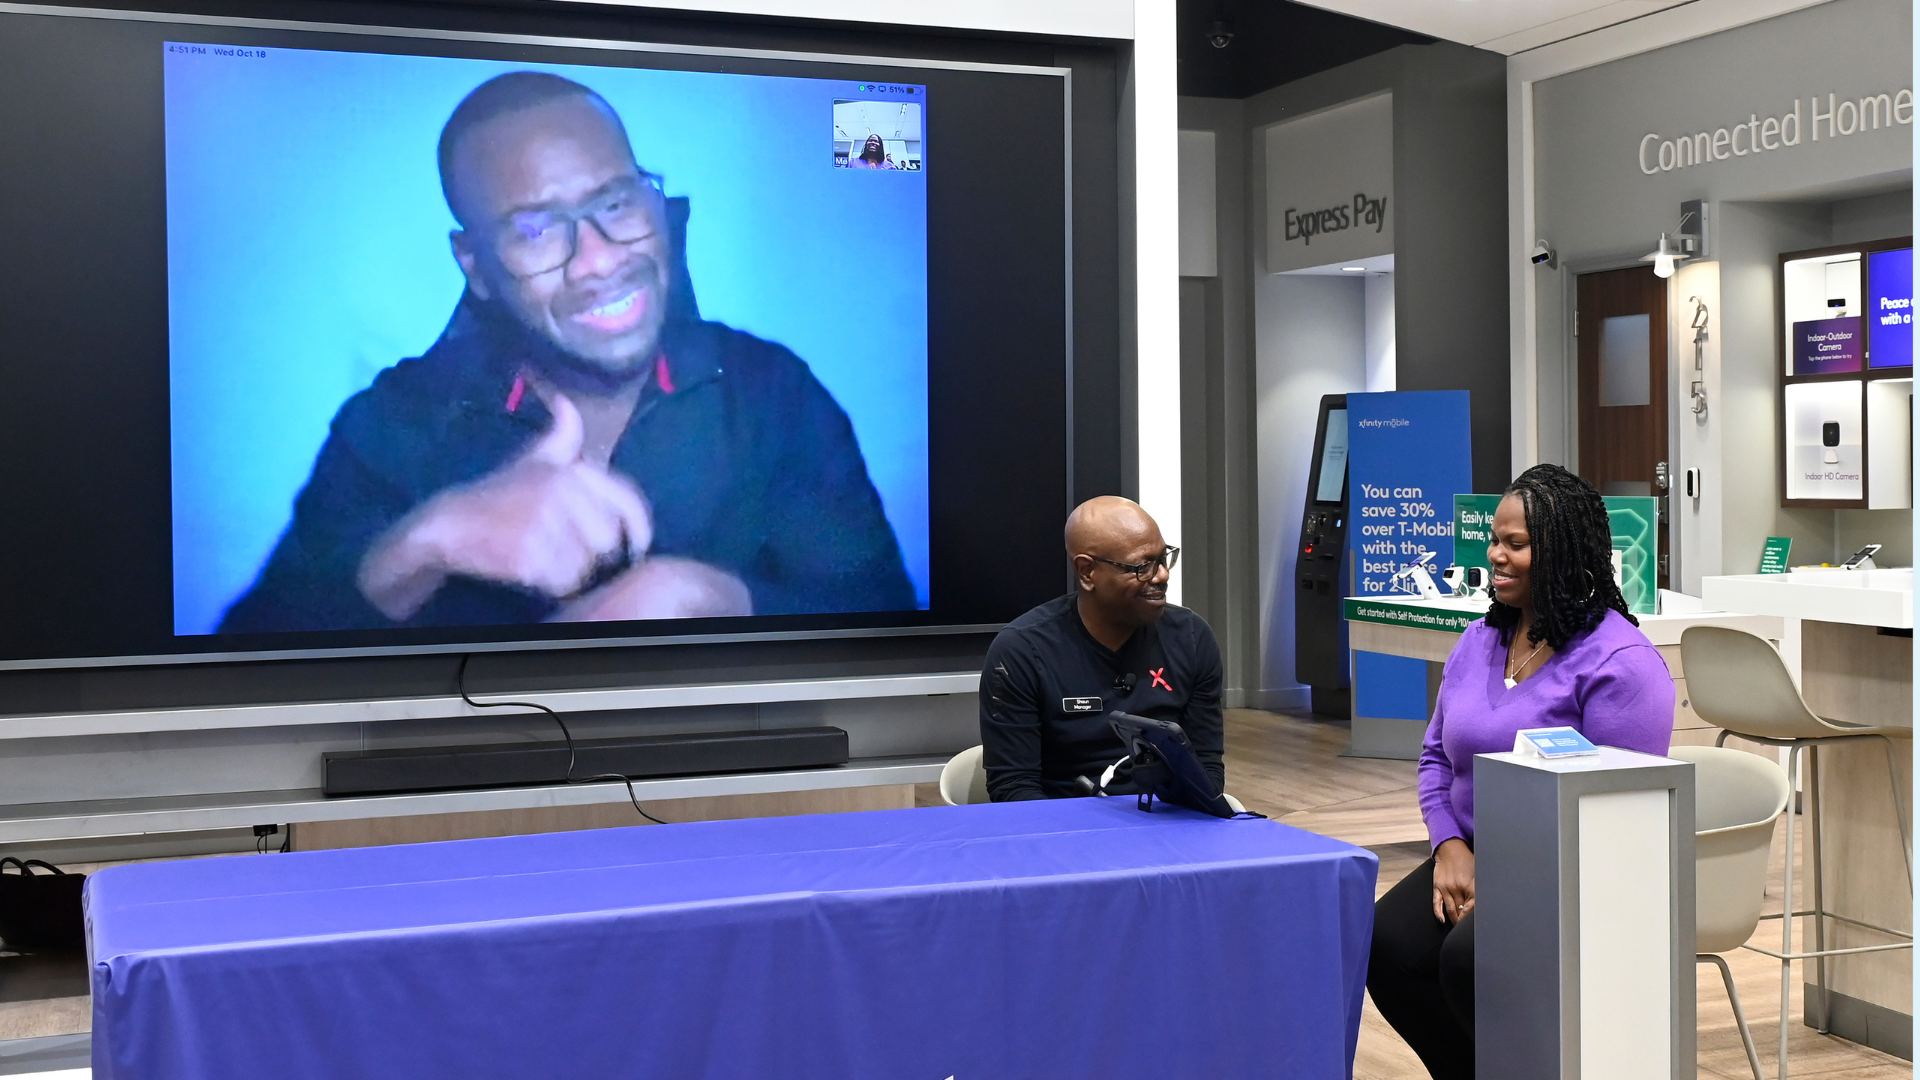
[{"x": 544, "y": 521}]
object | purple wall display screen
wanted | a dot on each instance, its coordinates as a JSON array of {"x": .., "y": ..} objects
[{"x": 1890, "y": 307}]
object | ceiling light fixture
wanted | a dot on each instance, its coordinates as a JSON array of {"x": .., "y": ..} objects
[{"x": 1354, "y": 269}]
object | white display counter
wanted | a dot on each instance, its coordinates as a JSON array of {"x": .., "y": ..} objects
[
  {"x": 1429, "y": 629},
  {"x": 1854, "y": 597}
]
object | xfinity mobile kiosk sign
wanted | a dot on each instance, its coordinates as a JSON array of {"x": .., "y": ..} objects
[{"x": 1410, "y": 454}]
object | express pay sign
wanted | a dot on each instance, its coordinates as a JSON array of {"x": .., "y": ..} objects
[{"x": 1409, "y": 454}]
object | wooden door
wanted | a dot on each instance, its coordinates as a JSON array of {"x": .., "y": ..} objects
[{"x": 1621, "y": 328}]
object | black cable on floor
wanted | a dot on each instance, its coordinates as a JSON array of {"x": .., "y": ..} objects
[{"x": 572, "y": 755}]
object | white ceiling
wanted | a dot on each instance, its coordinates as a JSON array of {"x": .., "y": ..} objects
[{"x": 1504, "y": 26}]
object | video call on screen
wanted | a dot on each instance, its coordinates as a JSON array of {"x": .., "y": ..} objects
[{"x": 327, "y": 374}]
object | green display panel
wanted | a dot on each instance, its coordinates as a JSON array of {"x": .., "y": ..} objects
[
  {"x": 1634, "y": 522},
  {"x": 1473, "y": 528},
  {"x": 1773, "y": 557}
]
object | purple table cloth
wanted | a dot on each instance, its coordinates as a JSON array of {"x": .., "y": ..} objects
[{"x": 1073, "y": 938}]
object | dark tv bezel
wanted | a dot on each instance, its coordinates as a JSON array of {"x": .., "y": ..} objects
[{"x": 611, "y": 45}]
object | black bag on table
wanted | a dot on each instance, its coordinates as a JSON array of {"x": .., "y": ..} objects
[{"x": 40, "y": 912}]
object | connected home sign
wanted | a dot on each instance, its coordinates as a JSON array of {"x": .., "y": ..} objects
[
  {"x": 1805, "y": 124},
  {"x": 1330, "y": 186}
]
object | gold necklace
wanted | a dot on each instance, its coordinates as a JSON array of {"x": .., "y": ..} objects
[{"x": 1512, "y": 680}]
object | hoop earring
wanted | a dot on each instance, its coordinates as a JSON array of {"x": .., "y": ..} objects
[{"x": 1593, "y": 585}]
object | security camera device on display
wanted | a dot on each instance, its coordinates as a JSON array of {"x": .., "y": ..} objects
[
  {"x": 1320, "y": 632},
  {"x": 1467, "y": 581},
  {"x": 805, "y": 375}
]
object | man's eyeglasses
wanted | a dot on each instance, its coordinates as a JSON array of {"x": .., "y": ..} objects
[
  {"x": 534, "y": 242},
  {"x": 1146, "y": 570}
]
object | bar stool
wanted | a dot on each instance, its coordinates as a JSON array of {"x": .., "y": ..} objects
[{"x": 1737, "y": 682}]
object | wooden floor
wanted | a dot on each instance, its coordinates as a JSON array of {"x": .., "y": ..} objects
[{"x": 1289, "y": 767}]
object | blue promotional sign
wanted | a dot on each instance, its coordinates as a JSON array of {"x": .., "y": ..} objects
[
  {"x": 1408, "y": 454},
  {"x": 1890, "y": 308}
]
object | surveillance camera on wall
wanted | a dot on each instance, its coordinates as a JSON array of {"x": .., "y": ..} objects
[
  {"x": 1544, "y": 254},
  {"x": 1830, "y": 438},
  {"x": 1221, "y": 35}
]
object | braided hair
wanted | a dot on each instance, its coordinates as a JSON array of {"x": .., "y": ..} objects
[{"x": 1571, "y": 577}]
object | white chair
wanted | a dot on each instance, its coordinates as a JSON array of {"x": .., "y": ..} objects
[
  {"x": 1737, "y": 798},
  {"x": 1737, "y": 682},
  {"x": 964, "y": 781}
]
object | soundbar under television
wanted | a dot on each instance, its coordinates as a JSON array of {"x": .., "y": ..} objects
[
  {"x": 330, "y": 338},
  {"x": 447, "y": 768}
]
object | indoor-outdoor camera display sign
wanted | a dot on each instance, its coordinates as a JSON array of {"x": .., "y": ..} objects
[
  {"x": 405, "y": 334},
  {"x": 1827, "y": 346}
]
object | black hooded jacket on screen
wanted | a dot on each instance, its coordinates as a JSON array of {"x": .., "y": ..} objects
[
  {"x": 1049, "y": 686},
  {"x": 747, "y": 461}
]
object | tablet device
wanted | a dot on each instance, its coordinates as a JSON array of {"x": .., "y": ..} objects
[{"x": 1164, "y": 768}]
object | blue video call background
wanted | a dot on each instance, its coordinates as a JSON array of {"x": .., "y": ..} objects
[{"x": 307, "y": 251}]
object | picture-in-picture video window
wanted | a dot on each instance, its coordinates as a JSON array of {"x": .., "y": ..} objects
[
  {"x": 460, "y": 342},
  {"x": 883, "y": 135}
]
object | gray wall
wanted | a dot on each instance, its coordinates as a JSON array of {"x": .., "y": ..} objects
[
  {"x": 1450, "y": 178},
  {"x": 1218, "y": 479},
  {"x": 1599, "y": 210},
  {"x": 1450, "y": 257},
  {"x": 1451, "y": 323},
  {"x": 1310, "y": 340}
]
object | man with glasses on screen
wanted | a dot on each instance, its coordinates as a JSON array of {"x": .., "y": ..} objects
[
  {"x": 1112, "y": 644},
  {"x": 570, "y": 449}
]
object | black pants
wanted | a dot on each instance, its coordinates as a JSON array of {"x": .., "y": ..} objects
[{"x": 1421, "y": 976}]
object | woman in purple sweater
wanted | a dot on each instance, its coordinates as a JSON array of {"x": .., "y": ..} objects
[{"x": 1557, "y": 649}]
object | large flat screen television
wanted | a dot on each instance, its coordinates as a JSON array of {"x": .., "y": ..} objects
[{"x": 327, "y": 338}]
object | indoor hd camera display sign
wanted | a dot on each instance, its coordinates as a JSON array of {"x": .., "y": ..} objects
[
  {"x": 1330, "y": 186},
  {"x": 1825, "y": 448}
]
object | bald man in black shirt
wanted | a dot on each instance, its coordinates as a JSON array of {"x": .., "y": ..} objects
[{"x": 1113, "y": 644}]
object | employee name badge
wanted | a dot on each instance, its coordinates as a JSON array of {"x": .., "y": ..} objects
[{"x": 1552, "y": 743}]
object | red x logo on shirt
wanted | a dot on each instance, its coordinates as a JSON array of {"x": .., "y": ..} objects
[{"x": 1158, "y": 681}]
